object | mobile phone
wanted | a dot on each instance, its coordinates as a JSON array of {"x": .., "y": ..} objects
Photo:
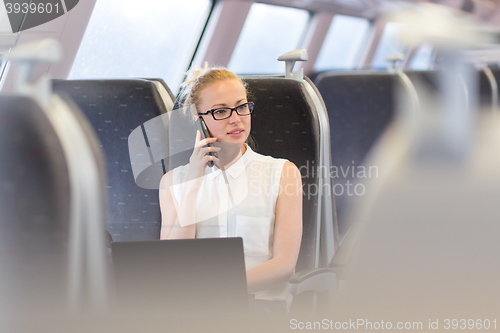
[{"x": 205, "y": 133}]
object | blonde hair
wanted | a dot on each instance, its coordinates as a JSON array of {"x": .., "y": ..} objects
[{"x": 198, "y": 79}]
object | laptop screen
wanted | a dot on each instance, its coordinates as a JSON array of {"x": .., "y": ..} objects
[{"x": 203, "y": 276}]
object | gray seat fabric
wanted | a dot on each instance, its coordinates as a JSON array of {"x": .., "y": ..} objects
[
  {"x": 34, "y": 206},
  {"x": 496, "y": 71},
  {"x": 496, "y": 74},
  {"x": 360, "y": 107},
  {"x": 289, "y": 121},
  {"x": 51, "y": 241},
  {"x": 285, "y": 126},
  {"x": 114, "y": 109},
  {"x": 485, "y": 90},
  {"x": 431, "y": 78},
  {"x": 402, "y": 246}
]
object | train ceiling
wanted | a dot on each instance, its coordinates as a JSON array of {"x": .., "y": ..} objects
[{"x": 488, "y": 11}]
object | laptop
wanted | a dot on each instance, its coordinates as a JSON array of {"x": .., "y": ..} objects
[{"x": 192, "y": 277}]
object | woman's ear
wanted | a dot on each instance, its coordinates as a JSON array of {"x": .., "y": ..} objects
[{"x": 195, "y": 118}]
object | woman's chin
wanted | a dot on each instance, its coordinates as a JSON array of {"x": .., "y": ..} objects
[{"x": 240, "y": 141}]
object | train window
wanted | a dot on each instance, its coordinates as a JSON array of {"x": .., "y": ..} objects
[
  {"x": 155, "y": 39},
  {"x": 5, "y": 28},
  {"x": 388, "y": 45},
  {"x": 4, "y": 21},
  {"x": 269, "y": 31},
  {"x": 422, "y": 60},
  {"x": 3, "y": 65},
  {"x": 343, "y": 43}
]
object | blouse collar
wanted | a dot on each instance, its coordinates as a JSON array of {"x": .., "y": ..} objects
[{"x": 236, "y": 169}]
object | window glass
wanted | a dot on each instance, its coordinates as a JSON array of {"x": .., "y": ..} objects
[
  {"x": 422, "y": 59},
  {"x": 343, "y": 43},
  {"x": 269, "y": 31},
  {"x": 3, "y": 65},
  {"x": 4, "y": 21},
  {"x": 388, "y": 45},
  {"x": 155, "y": 39},
  {"x": 5, "y": 28}
]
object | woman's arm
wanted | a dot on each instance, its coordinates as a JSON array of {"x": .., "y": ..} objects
[
  {"x": 287, "y": 234},
  {"x": 173, "y": 212},
  {"x": 170, "y": 226}
]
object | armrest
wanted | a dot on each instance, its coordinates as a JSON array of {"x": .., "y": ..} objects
[
  {"x": 340, "y": 261},
  {"x": 313, "y": 279}
]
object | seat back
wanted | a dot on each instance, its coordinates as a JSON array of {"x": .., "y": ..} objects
[
  {"x": 35, "y": 202},
  {"x": 360, "y": 106},
  {"x": 289, "y": 122},
  {"x": 488, "y": 89},
  {"x": 421, "y": 217},
  {"x": 484, "y": 91},
  {"x": 115, "y": 108},
  {"x": 51, "y": 176}
]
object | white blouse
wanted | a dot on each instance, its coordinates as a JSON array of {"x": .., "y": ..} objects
[{"x": 241, "y": 203}]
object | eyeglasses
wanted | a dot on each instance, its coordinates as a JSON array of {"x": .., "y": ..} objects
[{"x": 224, "y": 113}]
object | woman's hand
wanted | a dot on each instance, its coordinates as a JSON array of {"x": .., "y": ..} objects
[
  {"x": 178, "y": 219},
  {"x": 199, "y": 159}
]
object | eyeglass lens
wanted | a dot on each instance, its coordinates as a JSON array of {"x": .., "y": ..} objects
[{"x": 242, "y": 110}]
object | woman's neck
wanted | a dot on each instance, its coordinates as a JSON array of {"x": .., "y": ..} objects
[{"x": 243, "y": 149}]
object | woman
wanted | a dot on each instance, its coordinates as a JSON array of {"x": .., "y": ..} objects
[{"x": 255, "y": 197}]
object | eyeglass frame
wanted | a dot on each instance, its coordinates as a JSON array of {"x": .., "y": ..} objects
[{"x": 231, "y": 113}]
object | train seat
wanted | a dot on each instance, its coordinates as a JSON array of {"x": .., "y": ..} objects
[
  {"x": 421, "y": 236},
  {"x": 485, "y": 85},
  {"x": 52, "y": 243},
  {"x": 360, "y": 106},
  {"x": 115, "y": 108},
  {"x": 52, "y": 208},
  {"x": 290, "y": 122},
  {"x": 35, "y": 205}
]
